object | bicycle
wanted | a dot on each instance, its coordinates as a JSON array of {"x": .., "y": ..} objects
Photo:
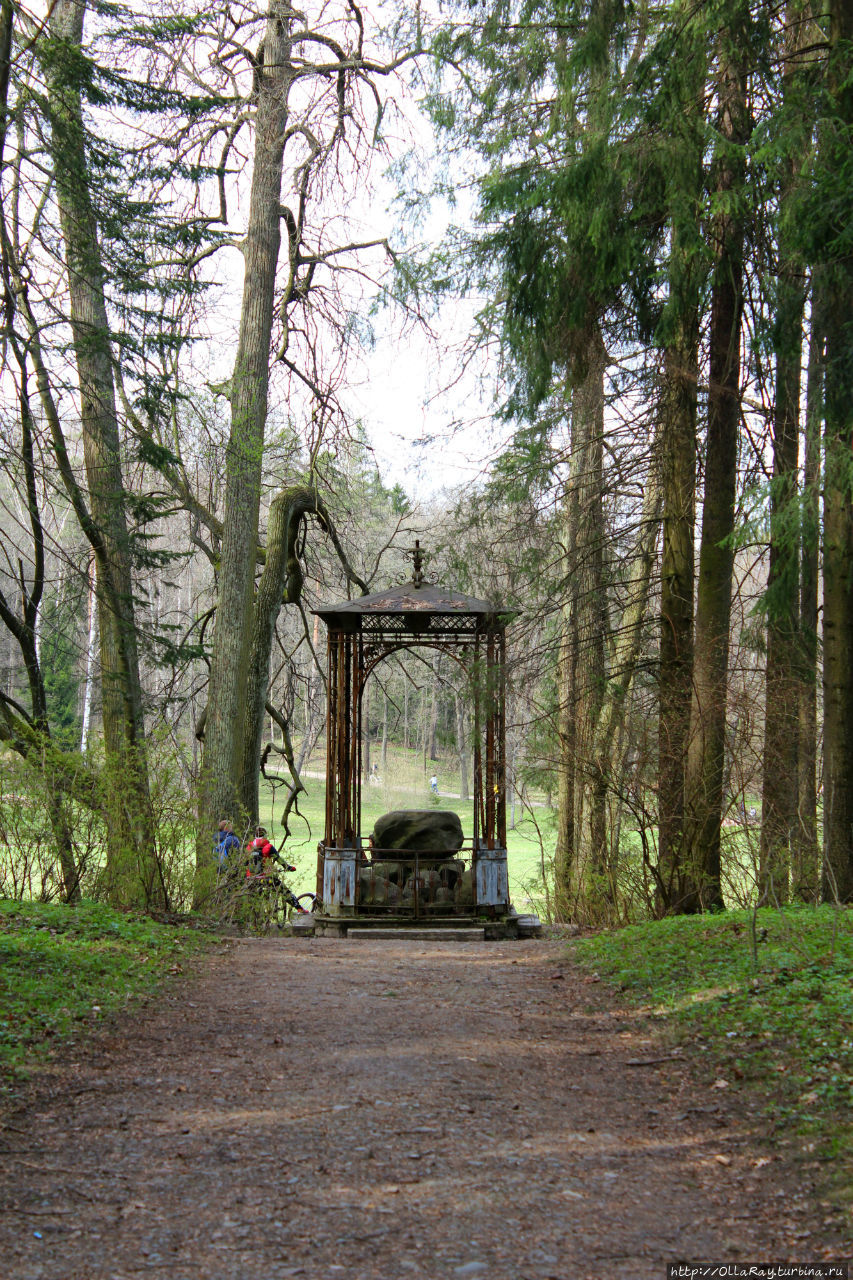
[
  {"x": 260, "y": 901},
  {"x": 277, "y": 902}
]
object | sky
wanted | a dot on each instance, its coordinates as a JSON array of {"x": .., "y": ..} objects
[
  {"x": 426, "y": 406},
  {"x": 426, "y": 435}
]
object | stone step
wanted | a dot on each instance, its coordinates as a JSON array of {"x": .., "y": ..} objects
[
  {"x": 419, "y": 935},
  {"x": 302, "y": 923}
]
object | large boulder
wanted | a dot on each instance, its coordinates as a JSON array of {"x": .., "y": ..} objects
[{"x": 434, "y": 831}]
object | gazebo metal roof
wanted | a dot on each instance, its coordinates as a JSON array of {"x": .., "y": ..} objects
[
  {"x": 417, "y": 606},
  {"x": 410, "y": 597}
]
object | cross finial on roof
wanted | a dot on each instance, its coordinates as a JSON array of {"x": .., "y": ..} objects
[{"x": 418, "y": 561}]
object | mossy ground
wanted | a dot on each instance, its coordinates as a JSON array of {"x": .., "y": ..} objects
[
  {"x": 767, "y": 1000},
  {"x": 62, "y": 969}
]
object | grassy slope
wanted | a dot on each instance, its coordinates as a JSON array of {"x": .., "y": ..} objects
[
  {"x": 61, "y": 968},
  {"x": 768, "y": 1000}
]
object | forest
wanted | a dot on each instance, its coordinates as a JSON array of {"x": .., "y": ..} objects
[{"x": 215, "y": 218}]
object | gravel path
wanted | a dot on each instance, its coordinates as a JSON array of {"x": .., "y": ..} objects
[{"x": 364, "y": 1110}]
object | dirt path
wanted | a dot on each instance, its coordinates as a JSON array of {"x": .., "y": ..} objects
[{"x": 382, "y": 1110}]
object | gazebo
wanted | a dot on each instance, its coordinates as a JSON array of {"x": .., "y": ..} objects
[{"x": 409, "y": 871}]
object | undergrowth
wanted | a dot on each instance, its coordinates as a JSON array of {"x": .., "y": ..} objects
[
  {"x": 64, "y": 968},
  {"x": 766, "y": 997}
]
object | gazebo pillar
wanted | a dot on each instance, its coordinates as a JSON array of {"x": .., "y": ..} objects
[
  {"x": 491, "y": 880},
  {"x": 339, "y": 851}
]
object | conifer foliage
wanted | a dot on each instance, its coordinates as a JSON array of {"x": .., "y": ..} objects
[{"x": 646, "y": 179}]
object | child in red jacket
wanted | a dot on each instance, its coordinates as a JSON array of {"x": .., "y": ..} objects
[{"x": 263, "y": 852}]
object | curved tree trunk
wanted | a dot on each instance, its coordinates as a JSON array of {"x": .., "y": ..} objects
[{"x": 281, "y": 583}]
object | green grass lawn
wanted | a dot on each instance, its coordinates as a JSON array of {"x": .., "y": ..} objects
[
  {"x": 62, "y": 969},
  {"x": 307, "y": 829},
  {"x": 767, "y": 1000}
]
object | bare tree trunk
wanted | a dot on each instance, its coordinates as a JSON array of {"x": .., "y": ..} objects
[
  {"x": 513, "y": 791},
  {"x": 805, "y": 876},
  {"x": 366, "y": 696},
  {"x": 223, "y": 759},
  {"x": 384, "y": 733},
  {"x": 423, "y": 729},
  {"x": 781, "y": 723},
  {"x": 581, "y": 851},
  {"x": 313, "y": 705},
  {"x": 133, "y": 873},
  {"x": 433, "y": 714},
  {"x": 706, "y": 754},
  {"x": 281, "y": 583},
  {"x": 628, "y": 645},
  {"x": 91, "y": 639},
  {"x": 837, "y": 280},
  {"x": 677, "y": 455},
  {"x": 564, "y": 853},
  {"x": 783, "y": 680},
  {"x": 462, "y": 749},
  {"x": 281, "y": 580},
  {"x": 591, "y": 853},
  {"x": 25, "y": 630}
]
